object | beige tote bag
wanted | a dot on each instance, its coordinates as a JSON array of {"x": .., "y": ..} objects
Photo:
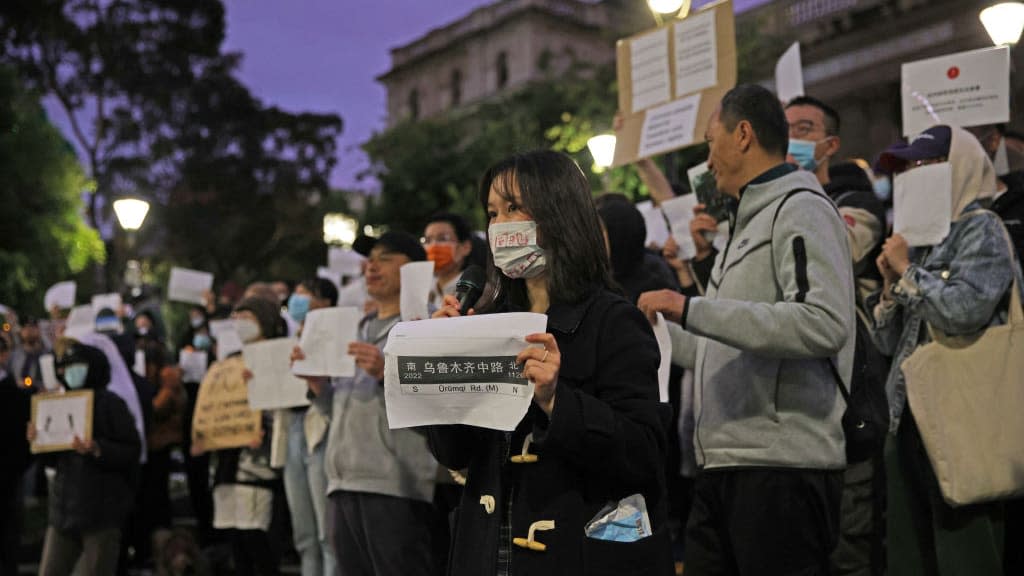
[{"x": 967, "y": 397}]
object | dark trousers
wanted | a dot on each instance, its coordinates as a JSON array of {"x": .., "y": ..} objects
[
  {"x": 860, "y": 551},
  {"x": 94, "y": 552},
  {"x": 253, "y": 553},
  {"x": 11, "y": 504},
  {"x": 377, "y": 535},
  {"x": 926, "y": 536},
  {"x": 152, "y": 506},
  {"x": 197, "y": 471},
  {"x": 768, "y": 522}
]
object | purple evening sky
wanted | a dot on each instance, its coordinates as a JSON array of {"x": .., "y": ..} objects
[{"x": 323, "y": 56}]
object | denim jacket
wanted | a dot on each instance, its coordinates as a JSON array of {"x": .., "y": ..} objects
[{"x": 959, "y": 287}]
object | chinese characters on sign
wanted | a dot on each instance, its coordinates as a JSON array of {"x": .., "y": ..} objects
[{"x": 443, "y": 374}]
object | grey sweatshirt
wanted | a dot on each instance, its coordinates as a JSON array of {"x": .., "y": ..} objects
[
  {"x": 779, "y": 307},
  {"x": 363, "y": 454}
]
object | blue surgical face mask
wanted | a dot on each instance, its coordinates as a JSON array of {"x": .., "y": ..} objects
[
  {"x": 196, "y": 321},
  {"x": 298, "y": 306},
  {"x": 74, "y": 375},
  {"x": 201, "y": 342},
  {"x": 803, "y": 152},
  {"x": 883, "y": 188}
]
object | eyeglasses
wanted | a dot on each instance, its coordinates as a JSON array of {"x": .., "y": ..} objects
[
  {"x": 803, "y": 128},
  {"x": 437, "y": 239}
]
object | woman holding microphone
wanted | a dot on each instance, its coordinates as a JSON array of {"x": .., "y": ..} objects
[{"x": 593, "y": 440}]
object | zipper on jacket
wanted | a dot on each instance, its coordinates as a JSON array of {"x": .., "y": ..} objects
[
  {"x": 696, "y": 421},
  {"x": 800, "y": 262}
]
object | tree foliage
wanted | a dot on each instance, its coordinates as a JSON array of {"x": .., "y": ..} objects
[
  {"x": 44, "y": 238},
  {"x": 156, "y": 107},
  {"x": 435, "y": 164}
]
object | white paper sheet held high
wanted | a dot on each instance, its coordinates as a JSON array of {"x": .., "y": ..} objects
[
  {"x": 193, "y": 365},
  {"x": 111, "y": 300},
  {"x": 459, "y": 371},
  {"x": 665, "y": 347},
  {"x": 325, "y": 339},
  {"x": 649, "y": 70},
  {"x": 696, "y": 53},
  {"x": 417, "y": 279},
  {"x": 273, "y": 385},
  {"x": 669, "y": 126},
  {"x": 679, "y": 212},
  {"x": 61, "y": 295},
  {"x": 188, "y": 285},
  {"x": 789, "y": 74},
  {"x": 963, "y": 89},
  {"x": 654, "y": 220},
  {"x": 922, "y": 202},
  {"x": 81, "y": 321}
]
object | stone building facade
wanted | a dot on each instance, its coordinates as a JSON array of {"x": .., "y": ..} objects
[
  {"x": 852, "y": 51},
  {"x": 496, "y": 48}
]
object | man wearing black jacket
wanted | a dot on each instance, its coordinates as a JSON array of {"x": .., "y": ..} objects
[{"x": 813, "y": 142}]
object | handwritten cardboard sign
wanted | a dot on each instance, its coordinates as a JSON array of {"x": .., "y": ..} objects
[
  {"x": 223, "y": 418},
  {"x": 671, "y": 79}
]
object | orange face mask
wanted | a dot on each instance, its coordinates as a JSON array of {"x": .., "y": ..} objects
[{"x": 442, "y": 254}]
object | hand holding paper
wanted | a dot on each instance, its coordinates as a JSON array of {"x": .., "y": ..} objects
[
  {"x": 272, "y": 384},
  {"x": 324, "y": 345},
  {"x": 462, "y": 370},
  {"x": 897, "y": 254},
  {"x": 540, "y": 366},
  {"x": 368, "y": 357}
]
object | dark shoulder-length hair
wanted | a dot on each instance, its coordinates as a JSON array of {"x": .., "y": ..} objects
[{"x": 556, "y": 194}]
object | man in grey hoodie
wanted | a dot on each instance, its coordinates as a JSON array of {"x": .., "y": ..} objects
[
  {"x": 380, "y": 482},
  {"x": 771, "y": 343}
]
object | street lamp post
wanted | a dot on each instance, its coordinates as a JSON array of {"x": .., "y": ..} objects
[
  {"x": 668, "y": 9},
  {"x": 340, "y": 228},
  {"x": 1003, "y": 22},
  {"x": 602, "y": 148},
  {"x": 131, "y": 213}
]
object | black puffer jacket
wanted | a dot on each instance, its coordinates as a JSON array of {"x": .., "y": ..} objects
[{"x": 97, "y": 492}]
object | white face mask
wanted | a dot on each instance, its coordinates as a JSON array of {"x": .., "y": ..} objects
[
  {"x": 248, "y": 330},
  {"x": 515, "y": 250}
]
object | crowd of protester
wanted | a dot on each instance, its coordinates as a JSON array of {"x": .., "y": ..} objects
[{"x": 787, "y": 447}]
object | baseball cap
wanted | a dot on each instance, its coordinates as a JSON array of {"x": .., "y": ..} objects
[
  {"x": 932, "y": 143},
  {"x": 401, "y": 243}
]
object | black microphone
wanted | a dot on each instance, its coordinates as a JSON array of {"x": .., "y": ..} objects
[{"x": 470, "y": 287}]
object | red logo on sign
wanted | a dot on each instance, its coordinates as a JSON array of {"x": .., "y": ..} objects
[{"x": 953, "y": 72}]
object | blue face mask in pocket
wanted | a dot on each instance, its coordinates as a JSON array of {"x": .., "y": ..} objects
[{"x": 622, "y": 521}]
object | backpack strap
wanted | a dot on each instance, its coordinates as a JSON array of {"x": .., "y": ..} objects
[{"x": 832, "y": 365}]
